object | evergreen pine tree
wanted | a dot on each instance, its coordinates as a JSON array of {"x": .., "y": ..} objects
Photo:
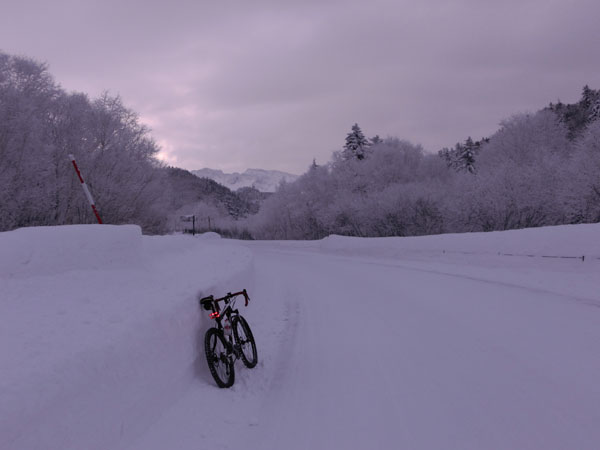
[
  {"x": 467, "y": 155},
  {"x": 587, "y": 97},
  {"x": 462, "y": 156},
  {"x": 376, "y": 140},
  {"x": 577, "y": 116},
  {"x": 356, "y": 144}
]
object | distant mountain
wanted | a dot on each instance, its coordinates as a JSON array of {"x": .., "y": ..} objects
[{"x": 262, "y": 180}]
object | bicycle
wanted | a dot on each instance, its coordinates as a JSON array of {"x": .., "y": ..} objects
[{"x": 229, "y": 340}]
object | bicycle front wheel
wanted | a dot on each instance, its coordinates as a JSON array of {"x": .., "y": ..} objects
[
  {"x": 219, "y": 359},
  {"x": 244, "y": 338}
]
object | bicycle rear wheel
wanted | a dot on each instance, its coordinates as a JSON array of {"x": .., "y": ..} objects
[
  {"x": 219, "y": 359},
  {"x": 244, "y": 338}
]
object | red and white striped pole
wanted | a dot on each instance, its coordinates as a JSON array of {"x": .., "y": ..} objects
[{"x": 85, "y": 189}]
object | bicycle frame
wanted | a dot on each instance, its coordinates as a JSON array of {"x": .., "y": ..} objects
[{"x": 228, "y": 311}]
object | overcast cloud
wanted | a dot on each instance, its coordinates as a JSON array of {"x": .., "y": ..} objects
[{"x": 271, "y": 84}]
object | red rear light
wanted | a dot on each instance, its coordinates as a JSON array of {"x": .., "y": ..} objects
[{"x": 214, "y": 315}]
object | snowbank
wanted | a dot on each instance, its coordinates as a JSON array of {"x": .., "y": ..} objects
[
  {"x": 53, "y": 250},
  {"x": 101, "y": 332},
  {"x": 101, "y": 329},
  {"x": 209, "y": 235},
  {"x": 565, "y": 240}
]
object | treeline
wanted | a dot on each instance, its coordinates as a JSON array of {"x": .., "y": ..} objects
[
  {"x": 41, "y": 124},
  {"x": 537, "y": 169}
]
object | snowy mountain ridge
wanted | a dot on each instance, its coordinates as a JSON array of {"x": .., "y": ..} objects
[{"x": 261, "y": 179}]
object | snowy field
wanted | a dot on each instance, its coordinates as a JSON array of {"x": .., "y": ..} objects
[{"x": 470, "y": 341}]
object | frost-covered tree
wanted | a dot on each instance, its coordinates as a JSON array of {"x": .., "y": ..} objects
[
  {"x": 578, "y": 116},
  {"x": 531, "y": 172},
  {"x": 305, "y": 209},
  {"x": 356, "y": 144},
  {"x": 521, "y": 172},
  {"x": 357, "y": 197},
  {"x": 375, "y": 140},
  {"x": 467, "y": 156},
  {"x": 581, "y": 194},
  {"x": 27, "y": 96},
  {"x": 587, "y": 97},
  {"x": 462, "y": 157},
  {"x": 40, "y": 124}
]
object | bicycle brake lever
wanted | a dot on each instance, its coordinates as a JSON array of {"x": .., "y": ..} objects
[{"x": 246, "y": 297}]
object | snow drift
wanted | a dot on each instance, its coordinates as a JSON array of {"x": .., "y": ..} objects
[
  {"x": 100, "y": 329},
  {"x": 565, "y": 240},
  {"x": 53, "y": 250}
]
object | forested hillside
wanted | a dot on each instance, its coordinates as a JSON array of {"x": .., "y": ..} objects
[
  {"x": 214, "y": 205},
  {"x": 537, "y": 169},
  {"x": 41, "y": 124}
]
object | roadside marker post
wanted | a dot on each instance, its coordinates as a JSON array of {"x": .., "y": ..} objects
[
  {"x": 85, "y": 189},
  {"x": 190, "y": 218}
]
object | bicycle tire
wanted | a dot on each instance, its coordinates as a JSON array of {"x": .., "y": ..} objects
[
  {"x": 245, "y": 339},
  {"x": 218, "y": 358}
]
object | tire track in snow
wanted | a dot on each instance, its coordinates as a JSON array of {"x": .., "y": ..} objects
[
  {"x": 324, "y": 395},
  {"x": 377, "y": 355},
  {"x": 594, "y": 302},
  {"x": 441, "y": 360}
]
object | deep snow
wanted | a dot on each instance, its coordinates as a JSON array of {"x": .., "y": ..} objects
[
  {"x": 420, "y": 343},
  {"x": 98, "y": 322}
]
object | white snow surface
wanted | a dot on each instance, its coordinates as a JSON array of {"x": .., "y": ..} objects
[
  {"x": 561, "y": 241},
  {"x": 91, "y": 316},
  {"x": 467, "y": 341}
]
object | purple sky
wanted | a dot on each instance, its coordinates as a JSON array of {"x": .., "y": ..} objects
[{"x": 272, "y": 83}]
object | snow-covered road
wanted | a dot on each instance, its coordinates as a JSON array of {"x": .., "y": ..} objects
[{"x": 361, "y": 353}]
